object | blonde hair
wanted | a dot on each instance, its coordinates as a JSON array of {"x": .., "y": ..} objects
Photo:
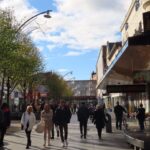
[{"x": 29, "y": 108}]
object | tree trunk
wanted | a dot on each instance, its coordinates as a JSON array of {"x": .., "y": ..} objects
[
  {"x": 24, "y": 92},
  {"x": 2, "y": 89},
  {"x": 8, "y": 90}
]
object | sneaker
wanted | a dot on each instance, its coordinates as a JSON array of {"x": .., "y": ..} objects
[
  {"x": 27, "y": 147},
  {"x": 63, "y": 144},
  {"x": 66, "y": 143},
  {"x": 49, "y": 143}
]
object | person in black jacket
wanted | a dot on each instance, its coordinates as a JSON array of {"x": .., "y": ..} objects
[
  {"x": 141, "y": 116},
  {"x": 62, "y": 118},
  {"x": 1, "y": 125},
  {"x": 118, "y": 110},
  {"x": 83, "y": 115},
  {"x": 54, "y": 107},
  {"x": 99, "y": 119},
  {"x": 5, "y": 122}
]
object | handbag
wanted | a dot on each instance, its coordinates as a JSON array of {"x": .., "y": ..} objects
[{"x": 39, "y": 128}]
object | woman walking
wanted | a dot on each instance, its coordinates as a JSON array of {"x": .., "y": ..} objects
[
  {"x": 99, "y": 119},
  {"x": 46, "y": 117},
  {"x": 27, "y": 121}
]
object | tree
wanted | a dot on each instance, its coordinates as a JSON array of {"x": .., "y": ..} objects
[
  {"x": 8, "y": 44},
  {"x": 56, "y": 86},
  {"x": 20, "y": 59}
]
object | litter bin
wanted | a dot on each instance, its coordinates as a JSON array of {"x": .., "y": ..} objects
[{"x": 108, "y": 123}]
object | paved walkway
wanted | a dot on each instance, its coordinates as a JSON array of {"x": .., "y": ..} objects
[{"x": 113, "y": 141}]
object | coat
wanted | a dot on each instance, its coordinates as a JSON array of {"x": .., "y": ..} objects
[
  {"x": 118, "y": 110},
  {"x": 1, "y": 118},
  {"x": 28, "y": 120},
  {"x": 47, "y": 117},
  {"x": 62, "y": 115},
  {"x": 141, "y": 114},
  {"x": 99, "y": 118},
  {"x": 6, "y": 117},
  {"x": 83, "y": 114}
]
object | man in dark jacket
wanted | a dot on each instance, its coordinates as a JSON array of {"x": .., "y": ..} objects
[
  {"x": 1, "y": 125},
  {"x": 83, "y": 115},
  {"x": 118, "y": 110},
  {"x": 5, "y": 122},
  {"x": 141, "y": 116},
  {"x": 62, "y": 118}
]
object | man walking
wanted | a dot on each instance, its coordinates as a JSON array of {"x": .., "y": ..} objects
[
  {"x": 83, "y": 115},
  {"x": 62, "y": 118},
  {"x": 1, "y": 126},
  {"x": 141, "y": 116},
  {"x": 118, "y": 110}
]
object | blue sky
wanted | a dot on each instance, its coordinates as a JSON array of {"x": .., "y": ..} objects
[
  {"x": 81, "y": 66},
  {"x": 71, "y": 39}
]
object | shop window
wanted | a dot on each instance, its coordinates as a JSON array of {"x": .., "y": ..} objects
[{"x": 137, "y": 5}]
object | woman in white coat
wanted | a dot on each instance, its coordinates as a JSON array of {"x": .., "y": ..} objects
[{"x": 28, "y": 121}]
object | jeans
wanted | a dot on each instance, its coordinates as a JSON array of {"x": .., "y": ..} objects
[
  {"x": 141, "y": 124},
  {"x": 83, "y": 127},
  {"x": 99, "y": 131},
  {"x": 63, "y": 131},
  {"x": 2, "y": 134},
  {"x": 119, "y": 123},
  {"x": 28, "y": 135}
]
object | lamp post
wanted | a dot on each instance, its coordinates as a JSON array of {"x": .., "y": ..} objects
[
  {"x": 47, "y": 15},
  {"x": 70, "y": 72}
]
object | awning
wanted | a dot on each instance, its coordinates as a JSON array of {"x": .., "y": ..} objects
[{"x": 134, "y": 56}]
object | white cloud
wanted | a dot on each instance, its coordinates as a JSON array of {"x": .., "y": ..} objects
[
  {"x": 79, "y": 25},
  {"x": 62, "y": 70},
  {"x": 51, "y": 47},
  {"x": 74, "y": 53}
]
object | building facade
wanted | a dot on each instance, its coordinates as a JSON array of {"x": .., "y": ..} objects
[
  {"x": 123, "y": 68},
  {"x": 83, "y": 90}
]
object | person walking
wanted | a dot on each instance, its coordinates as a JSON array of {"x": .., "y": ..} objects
[
  {"x": 99, "y": 119},
  {"x": 47, "y": 117},
  {"x": 54, "y": 107},
  {"x": 141, "y": 116},
  {"x": 62, "y": 118},
  {"x": 118, "y": 110},
  {"x": 83, "y": 115},
  {"x": 1, "y": 126},
  {"x": 28, "y": 121},
  {"x": 5, "y": 122}
]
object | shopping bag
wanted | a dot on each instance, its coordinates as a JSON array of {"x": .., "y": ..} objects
[{"x": 39, "y": 128}]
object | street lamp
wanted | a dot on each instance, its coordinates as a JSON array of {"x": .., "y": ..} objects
[
  {"x": 47, "y": 15},
  {"x": 70, "y": 72}
]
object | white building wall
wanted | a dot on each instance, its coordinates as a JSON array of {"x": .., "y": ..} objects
[
  {"x": 99, "y": 67},
  {"x": 134, "y": 18}
]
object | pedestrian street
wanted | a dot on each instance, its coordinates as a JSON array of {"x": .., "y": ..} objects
[{"x": 110, "y": 141}]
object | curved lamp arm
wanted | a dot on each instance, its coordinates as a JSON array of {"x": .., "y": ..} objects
[{"x": 47, "y": 16}]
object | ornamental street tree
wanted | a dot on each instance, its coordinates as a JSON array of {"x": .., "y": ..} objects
[{"x": 19, "y": 58}]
